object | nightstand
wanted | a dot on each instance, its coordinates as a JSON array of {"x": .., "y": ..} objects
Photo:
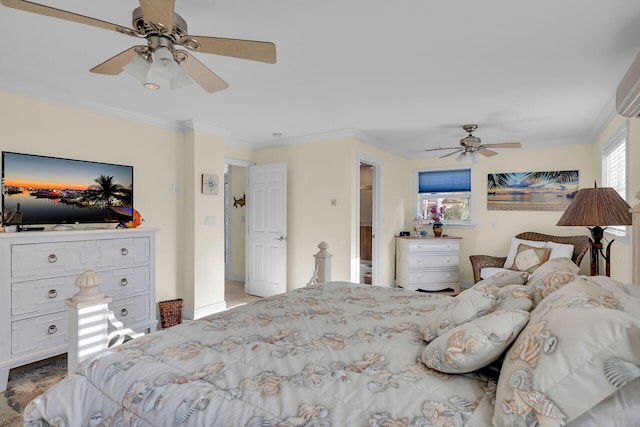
[{"x": 428, "y": 263}]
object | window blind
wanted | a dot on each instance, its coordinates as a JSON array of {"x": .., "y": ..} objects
[{"x": 444, "y": 181}]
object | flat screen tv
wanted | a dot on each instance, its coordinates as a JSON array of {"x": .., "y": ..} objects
[{"x": 51, "y": 190}]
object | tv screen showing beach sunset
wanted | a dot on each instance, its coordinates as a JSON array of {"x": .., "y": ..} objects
[{"x": 51, "y": 190}]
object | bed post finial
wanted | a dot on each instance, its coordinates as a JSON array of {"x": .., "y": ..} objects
[{"x": 322, "y": 271}]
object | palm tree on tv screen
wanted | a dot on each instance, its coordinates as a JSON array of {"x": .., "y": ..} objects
[{"x": 106, "y": 190}]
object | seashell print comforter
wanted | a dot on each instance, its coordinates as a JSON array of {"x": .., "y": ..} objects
[{"x": 335, "y": 354}]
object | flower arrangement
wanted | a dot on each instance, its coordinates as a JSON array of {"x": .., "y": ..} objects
[{"x": 437, "y": 214}]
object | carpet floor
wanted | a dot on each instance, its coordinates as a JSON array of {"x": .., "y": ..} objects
[{"x": 27, "y": 382}]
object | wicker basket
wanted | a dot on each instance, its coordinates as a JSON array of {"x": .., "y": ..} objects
[{"x": 171, "y": 312}]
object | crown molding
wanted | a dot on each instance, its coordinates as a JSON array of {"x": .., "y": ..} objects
[
  {"x": 58, "y": 97},
  {"x": 327, "y": 136}
]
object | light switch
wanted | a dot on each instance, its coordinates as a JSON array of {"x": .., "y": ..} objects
[
  {"x": 209, "y": 220},
  {"x": 334, "y": 202}
]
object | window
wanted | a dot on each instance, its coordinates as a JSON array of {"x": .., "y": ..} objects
[
  {"x": 450, "y": 188},
  {"x": 614, "y": 170}
]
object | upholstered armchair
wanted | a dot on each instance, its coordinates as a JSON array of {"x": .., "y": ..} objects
[{"x": 580, "y": 248}]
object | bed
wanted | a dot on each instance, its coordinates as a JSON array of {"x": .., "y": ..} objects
[{"x": 551, "y": 349}]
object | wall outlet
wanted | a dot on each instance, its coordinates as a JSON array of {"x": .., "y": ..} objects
[{"x": 209, "y": 220}]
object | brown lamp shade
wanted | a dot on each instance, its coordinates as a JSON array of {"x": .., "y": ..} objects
[{"x": 597, "y": 207}]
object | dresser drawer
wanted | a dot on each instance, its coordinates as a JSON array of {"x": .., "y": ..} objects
[
  {"x": 124, "y": 282},
  {"x": 434, "y": 245},
  {"x": 434, "y": 277},
  {"x": 131, "y": 310},
  {"x": 431, "y": 261},
  {"x": 42, "y": 296},
  {"x": 59, "y": 258},
  {"x": 39, "y": 333},
  {"x": 50, "y": 259}
]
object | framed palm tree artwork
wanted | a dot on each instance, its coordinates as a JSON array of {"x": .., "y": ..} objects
[{"x": 531, "y": 191}]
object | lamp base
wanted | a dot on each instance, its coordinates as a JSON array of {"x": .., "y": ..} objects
[{"x": 597, "y": 234}]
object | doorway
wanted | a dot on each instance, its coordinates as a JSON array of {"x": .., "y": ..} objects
[
  {"x": 368, "y": 215},
  {"x": 235, "y": 187}
]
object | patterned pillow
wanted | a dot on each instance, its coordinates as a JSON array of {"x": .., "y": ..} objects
[
  {"x": 551, "y": 276},
  {"x": 515, "y": 297},
  {"x": 558, "y": 250},
  {"x": 545, "y": 286},
  {"x": 582, "y": 343},
  {"x": 474, "y": 302},
  {"x": 475, "y": 344},
  {"x": 529, "y": 258},
  {"x": 506, "y": 277}
]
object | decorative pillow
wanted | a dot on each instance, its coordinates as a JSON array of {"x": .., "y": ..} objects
[
  {"x": 581, "y": 344},
  {"x": 475, "y": 344},
  {"x": 474, "y": 302},
  {"x": 515, "y": 297},
  {"x": 487, "y": 272},
  {"x": 529, "y": 258},
  {"x": 545, "y": 286},
  {"x": 505, "y": 277},
  {"x": 558, "y": 250},
  {"x": 550, "y": 276}
]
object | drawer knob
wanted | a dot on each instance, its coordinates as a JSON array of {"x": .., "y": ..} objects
[
  {"x": 124, "y": 251},
  {"x": 52, "y": 329},
  {"x": 52, "y": 258},
  {"x": 124, "y": 312},
  {"x": 53, "y": 293},
  {"x": 124, "y": 281}
]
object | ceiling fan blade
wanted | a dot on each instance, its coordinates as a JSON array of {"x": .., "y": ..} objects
[
  {"x": 63, "y": 14},
  {"x": 442, "y": 148},
  {"x": 486, "y": 152},
  {"x": 503, "y": 145},
  {"x": 159, "y": 12},
  {"x": 236, "y": 48},
  {"x": 202, "y": 75},
  {"x": 113, "y": 66},
  {"x": 452, "y": 153}
]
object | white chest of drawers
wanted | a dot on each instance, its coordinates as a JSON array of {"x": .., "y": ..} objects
[
  {"x": 428, "y": 263},
  {"x": 38, "y": 271}
]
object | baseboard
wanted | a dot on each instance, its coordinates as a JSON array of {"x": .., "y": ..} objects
[
  {"x": 235, "y": 277},
  {"x": 200, "y": 312}
]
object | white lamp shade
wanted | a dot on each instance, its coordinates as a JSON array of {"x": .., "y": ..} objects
[{"x": 138, "y": 68}]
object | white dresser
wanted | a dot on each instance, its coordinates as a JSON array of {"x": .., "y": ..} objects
[
  {"x": 428, "y": 263},
  {"x": 38, "y": 270}
]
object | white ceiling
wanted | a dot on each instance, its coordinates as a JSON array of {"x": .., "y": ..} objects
[{"x": 404, "y": 74}]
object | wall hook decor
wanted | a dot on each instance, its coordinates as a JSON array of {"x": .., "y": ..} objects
[{"x": 239, "y": 203}]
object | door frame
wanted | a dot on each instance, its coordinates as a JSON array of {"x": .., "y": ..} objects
[{"x": 376, "y": 217}]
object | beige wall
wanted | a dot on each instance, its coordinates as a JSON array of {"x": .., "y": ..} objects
[
  {"x": 190, "y": 254},
  {"x": 493, "y": 229},
  {"x": 325, "y": 170},
  {"x": 39, "y": 127}
]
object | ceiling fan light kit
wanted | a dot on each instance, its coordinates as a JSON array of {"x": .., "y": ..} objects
[
  {"x": 470, "y": 145},
  {"x": 160, "y": 64}
]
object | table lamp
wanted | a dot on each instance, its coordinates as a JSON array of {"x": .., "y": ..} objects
[{"x": 596, "y": 208}]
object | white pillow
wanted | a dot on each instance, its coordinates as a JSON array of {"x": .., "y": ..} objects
[
  {"x": 487, "y": 272},
  {"x": 558, "y": 250}
]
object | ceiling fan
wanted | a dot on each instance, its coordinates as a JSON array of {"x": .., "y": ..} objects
[
  {"x": 470, "y": 145},
  {"x": 159, "y": 60}
]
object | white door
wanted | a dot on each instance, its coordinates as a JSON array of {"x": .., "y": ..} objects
[{"x": 267, "y": 230}]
